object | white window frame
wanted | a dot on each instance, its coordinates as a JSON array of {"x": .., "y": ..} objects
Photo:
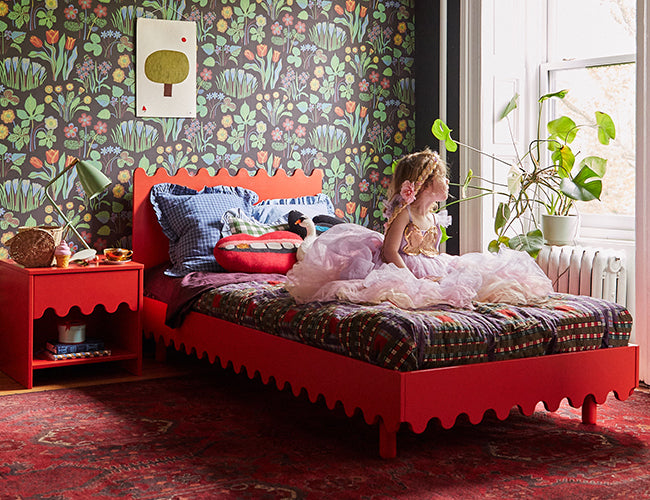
[
  {"x": 595, "y": 227},
  {"x": 470, "y": 104}
]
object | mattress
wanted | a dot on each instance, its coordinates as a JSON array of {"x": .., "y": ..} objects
[{"x": 407, "y": 340}]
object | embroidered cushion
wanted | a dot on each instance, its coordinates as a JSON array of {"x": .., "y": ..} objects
[
  {"x": 192, "y": 221},
  {"x": 273, "y": 252}
]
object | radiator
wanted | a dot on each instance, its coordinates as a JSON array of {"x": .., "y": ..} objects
[{"x": 598, "y": 272}]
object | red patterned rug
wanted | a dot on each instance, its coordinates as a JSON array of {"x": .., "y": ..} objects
[{"x": 220, "y": 435}]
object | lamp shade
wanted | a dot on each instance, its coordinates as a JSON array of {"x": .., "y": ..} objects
[{"x": 92, "y": 180}]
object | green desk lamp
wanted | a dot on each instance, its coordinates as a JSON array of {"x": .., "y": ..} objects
[{"x": 93, "y": 182}]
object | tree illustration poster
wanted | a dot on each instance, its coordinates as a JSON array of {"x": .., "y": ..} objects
[{"x": 166, "y": 68}]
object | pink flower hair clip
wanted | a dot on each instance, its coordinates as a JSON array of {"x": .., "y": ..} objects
[{"x": 407, "y": 192}]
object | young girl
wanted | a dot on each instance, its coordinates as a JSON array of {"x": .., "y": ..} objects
[{"x": 351, "y": 262}]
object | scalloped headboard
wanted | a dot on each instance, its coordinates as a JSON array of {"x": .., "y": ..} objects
[{"x": 151, "y": 246}]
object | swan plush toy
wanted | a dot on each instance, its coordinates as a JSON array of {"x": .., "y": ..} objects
[{"x": 308, "y": 241}]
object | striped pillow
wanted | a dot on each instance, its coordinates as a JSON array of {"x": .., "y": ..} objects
[{"x": 245, "y": 225}]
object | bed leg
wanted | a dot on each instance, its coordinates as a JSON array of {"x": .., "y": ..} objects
[
  {"x": 161, "y": 351},
  {"x": 387, "y": 441},
  {"x": 589, "y": 410}
]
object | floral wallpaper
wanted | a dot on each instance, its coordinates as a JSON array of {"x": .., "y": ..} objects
[{"x": 291, "y": 84}]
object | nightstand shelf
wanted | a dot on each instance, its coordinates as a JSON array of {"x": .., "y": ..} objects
[
  {"x": 116, "y": 355},
  {"x": 32, "y": 300}
]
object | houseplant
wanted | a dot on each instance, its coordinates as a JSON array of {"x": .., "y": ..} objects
[{"x": 546, "y": 179}]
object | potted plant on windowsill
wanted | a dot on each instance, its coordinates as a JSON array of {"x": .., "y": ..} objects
[{"x": 535, "y": 188}]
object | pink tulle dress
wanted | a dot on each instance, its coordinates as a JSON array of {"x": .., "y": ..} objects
[{"x": 344, "y": 263}]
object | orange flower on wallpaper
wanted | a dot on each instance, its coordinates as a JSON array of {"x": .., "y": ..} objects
[
  {"x": 350, "y": 5},
  {"x": 350, "y": 206},
  {"x": 52, "y": 156},
  {"x": 52, "y": 36},
  {"x": 249, "y": 55},
  {"x": 350, "y": 106},
  {"x": 69, "y": 42},
  {"x": 262, "y": 156},
  {"x": 262, "y": 50},
  {"x": 36, "y": 42},
  {"x": 36, "y": 162},
  {"x": 363, "y": 212}
]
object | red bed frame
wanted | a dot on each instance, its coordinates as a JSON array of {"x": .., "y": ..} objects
[{"x": 384, "y": 396}]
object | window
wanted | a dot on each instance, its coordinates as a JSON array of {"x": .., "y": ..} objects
[{"x": 591, "y": 52}]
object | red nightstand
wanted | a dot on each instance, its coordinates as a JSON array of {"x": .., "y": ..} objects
[{"x": 32, "y": 299}]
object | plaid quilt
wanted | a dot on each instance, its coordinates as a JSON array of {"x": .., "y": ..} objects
[{"x": 419, "y": 339}]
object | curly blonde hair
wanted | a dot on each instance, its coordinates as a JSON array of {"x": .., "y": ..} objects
[{"x": 420, "y": 169}]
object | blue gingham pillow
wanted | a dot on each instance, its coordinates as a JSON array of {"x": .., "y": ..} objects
[
  {"x": 272, "y": 211},
  {"x": 192, "y": 221}
]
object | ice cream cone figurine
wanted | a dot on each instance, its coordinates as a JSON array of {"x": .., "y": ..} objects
[{"x": 62, "y": 254}]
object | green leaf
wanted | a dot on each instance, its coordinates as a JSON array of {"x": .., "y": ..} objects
[
  {"x": 511, "y": 106},
  {"x": 493, "y": 246},
  {"x": 208, "y": 158},
  {"x": 587, "y": 184},
  {"x": 30, "y": 104},
  {"x": 606, "y": 128},
  {"x": 502, "y": 216},
  {"x": 564, "y": 160},
  {"x": 103, "y": 100},
  {"x": 563, "y": 128},
  {"x": 443, "y": 133},
  {"x": 531, "y": 242},
  {"x": 597, "y": 165},
  {"x": 559, "y": 94},
  {"x": 443, "y": 234},
  {"x": 103, "y": 216}
]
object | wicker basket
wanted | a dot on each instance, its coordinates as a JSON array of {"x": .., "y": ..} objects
[{"x": 34, "y": 246}]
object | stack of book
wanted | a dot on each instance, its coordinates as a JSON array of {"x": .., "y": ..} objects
[{"x": 91, "y": 348}]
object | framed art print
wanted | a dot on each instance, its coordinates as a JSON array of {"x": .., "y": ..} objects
[{"x": 165, "y": 68}]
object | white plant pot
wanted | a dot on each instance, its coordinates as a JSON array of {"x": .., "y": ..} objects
[{"x": 560, "y": 229}]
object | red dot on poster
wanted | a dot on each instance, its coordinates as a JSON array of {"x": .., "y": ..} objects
[{"x": 183, "y": 39}]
